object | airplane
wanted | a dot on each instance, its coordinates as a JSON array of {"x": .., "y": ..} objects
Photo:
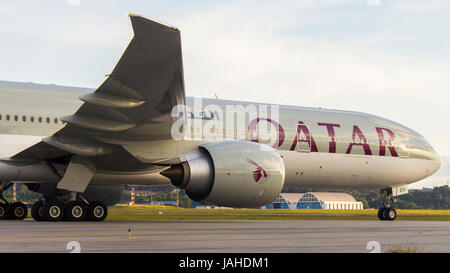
[{"x": 78, "y": 147}]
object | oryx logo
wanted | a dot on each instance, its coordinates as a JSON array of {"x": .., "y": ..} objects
[{"x": 259, "y": 172}]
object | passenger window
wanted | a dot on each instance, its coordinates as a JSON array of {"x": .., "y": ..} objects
[
  {"x": 32, "y": 119},
  {"x": 56, "y": 121},
  {"x": 40, "y": 120},
  {"x": 47, "y": 120},
  {"x": 8, "y": 117},
  {"x": 24, "y": 118},
  {"x": 16, "y": 118}
]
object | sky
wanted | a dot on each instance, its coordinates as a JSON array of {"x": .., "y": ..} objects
[{"x": 385, "y": 57}]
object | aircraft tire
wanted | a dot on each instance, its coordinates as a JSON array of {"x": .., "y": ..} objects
[
  {"x": 390, "y": 214},
  {"x": 97, "y": 211},
  {"x": 75, "y": 211},
  {"x": 37, "y": 216},
  {"x": 53, "y": 210},
  {"x": 381, "y": 214},
  {"x": 18, "y": 211},
  {"x": 4, "y": 209}
]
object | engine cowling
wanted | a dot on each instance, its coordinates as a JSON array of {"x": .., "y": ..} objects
[{"x": 231, "y": 174}]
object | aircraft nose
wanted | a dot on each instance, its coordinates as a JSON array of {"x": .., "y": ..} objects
[{"x": 435, "y": 163}]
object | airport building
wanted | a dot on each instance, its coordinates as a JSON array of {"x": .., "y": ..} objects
[{"x": 316, "y": 200}]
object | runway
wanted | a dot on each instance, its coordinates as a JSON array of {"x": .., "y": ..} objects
[{"x": 223, "y": 236}]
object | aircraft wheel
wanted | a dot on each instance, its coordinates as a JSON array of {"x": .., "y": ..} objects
[
  {"x": 52, "y": 210},
  {"x": 381, "y": 214},
  {"x": 4, "y": 208},
  {"x": 75, "y": 211},
  {"x": 390, "y": 214},
  {"x": 36, "y": 211},
  {"x": 18, "y": 211},
  {"x": 97, "y": 211}
]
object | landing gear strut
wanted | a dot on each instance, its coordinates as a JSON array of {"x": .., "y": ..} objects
[
  {"x": 11, "y": 211},
  {"x": 387, "y": 212}
]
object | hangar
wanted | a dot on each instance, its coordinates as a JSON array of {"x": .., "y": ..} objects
[{"x": 316, "y": 200}]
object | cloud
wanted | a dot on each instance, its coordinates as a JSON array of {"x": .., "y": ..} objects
[
  {"x": 390, "y": 59},
  {"x": 265, "y": 56},
  {"x": 419, "y": 7}
]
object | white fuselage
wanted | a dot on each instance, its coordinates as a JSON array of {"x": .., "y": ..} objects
[{"x": 320, "y": 148}]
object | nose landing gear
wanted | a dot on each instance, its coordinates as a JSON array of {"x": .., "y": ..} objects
[{"x": 387, "y": 212}]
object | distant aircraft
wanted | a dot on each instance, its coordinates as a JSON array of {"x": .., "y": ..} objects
[{"x": 79, "y": 147}]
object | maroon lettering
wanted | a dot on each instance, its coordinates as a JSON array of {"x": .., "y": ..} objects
[
  {"x": 357, "y": 131},
  {"x": 331, "y": 135},
  {"x": 383, "y": 141},
  {"x": 302, "y": 128},
  {"x": 254, "y": 136}
]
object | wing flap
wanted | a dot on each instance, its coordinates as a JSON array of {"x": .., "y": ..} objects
[
  {"x": 81, "y": 147},
  {"x": 97, "y": 123},
  {"x": 113, "y": 101}
]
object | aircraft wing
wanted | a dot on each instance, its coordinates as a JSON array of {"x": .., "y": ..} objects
[{"x": 133, "y": 105}]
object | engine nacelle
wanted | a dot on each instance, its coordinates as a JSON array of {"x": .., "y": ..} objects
[{"x": 231, "y": 174}]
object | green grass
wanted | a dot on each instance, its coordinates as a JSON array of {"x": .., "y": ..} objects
[{"x": 146, "y": 212}]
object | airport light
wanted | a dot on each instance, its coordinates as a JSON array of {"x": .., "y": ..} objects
[
  {"x": 132, "y": 196},
  {"x": 177, "y": 191}
]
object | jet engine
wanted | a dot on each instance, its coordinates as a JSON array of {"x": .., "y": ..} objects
[{"x": 231, "y": 174}]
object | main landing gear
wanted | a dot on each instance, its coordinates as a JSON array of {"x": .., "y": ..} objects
[
  {"x": 54, "y": 210},
  {"x": 387, "y": 212},
  {"x": 65, "y": 207}
]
